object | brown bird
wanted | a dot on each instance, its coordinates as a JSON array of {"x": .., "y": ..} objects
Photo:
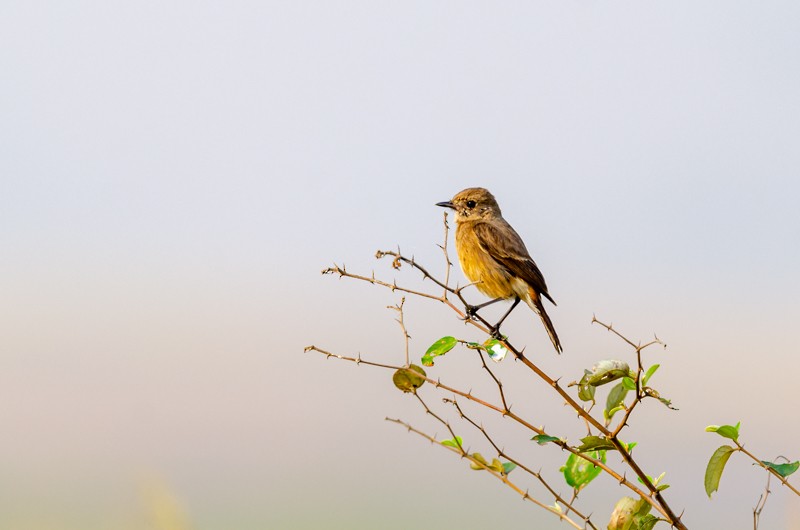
[{"x": 493, "y": 256}]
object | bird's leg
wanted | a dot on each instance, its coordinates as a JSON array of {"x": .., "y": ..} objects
[
  {"x": 495, "y": 330},
  {"x": 472, "y": 310}
]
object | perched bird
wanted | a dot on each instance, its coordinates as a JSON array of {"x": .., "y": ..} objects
[{"x": 493, "y": 256}]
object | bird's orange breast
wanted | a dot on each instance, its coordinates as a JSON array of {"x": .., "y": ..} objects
[{"x": 491, "y": 277}]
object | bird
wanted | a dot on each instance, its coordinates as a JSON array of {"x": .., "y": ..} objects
[{"x": 494, "y": 257}]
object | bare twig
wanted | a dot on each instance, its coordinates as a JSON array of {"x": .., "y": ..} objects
[
  {"x": 447, "y": 263},
  {"x": 762, "y": 501},
  {"x": 342, "y": 272},
  {"x": 610, "y": 327},
  {"x": 401, "y": 321},
  {"x": 496, "y": 380},
  {"x": 440, "y": 420}
]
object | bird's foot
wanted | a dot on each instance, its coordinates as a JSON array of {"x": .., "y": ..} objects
[
  {"x": 494, "y": 332},
  {"x": 470, "y": 312}
]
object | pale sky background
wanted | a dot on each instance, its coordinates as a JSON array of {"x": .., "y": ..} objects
[{"x": 176, "y": 174}]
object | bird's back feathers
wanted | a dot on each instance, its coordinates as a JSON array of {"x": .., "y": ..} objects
[{"x": 504, "y": 245}]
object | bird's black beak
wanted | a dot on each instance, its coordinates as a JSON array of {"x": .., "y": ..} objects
[{"x": 446, "y": 204}]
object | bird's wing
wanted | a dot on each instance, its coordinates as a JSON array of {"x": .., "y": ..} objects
[{"x": 503, "y": 244}]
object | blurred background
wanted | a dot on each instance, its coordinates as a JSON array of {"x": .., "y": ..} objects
[{"x": 176, "y": 174}]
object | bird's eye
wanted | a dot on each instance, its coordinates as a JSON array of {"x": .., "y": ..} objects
[{"x": 470, "y": 204}]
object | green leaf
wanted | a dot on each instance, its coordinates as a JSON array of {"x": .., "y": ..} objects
[
  {"x": 608, "y": 414},
  {"x": 629, "y": 447},
  {"x": 542, "y": 439},
  {"x": 715, "y": 467},
  {"x": 595, "y": 443},
  {"x": 783, "y": 470},
  {"x": 629, "y": 383},
  {"x": 667, "y": 402},
  {"x": 654, "y": 394},
  {"x": 585, "y": 391},
  {"x": 601, "y": 373},
  {"x": 579, "y": 472},
  {"x": 627, "y": 513},
  {"x": 508, "y": 467},
  {"x": 726, "y": 431},
  {"x": 440, "y": 347},
  {"x": 495, "y": 349},
  {"x": 456, "y": 442},
  {"x": 647, "y": 522},
  {"x": 476, "y": 466},
  {"x": 649, "y": 373},
  {"x": 614, "y": 402},
  {"x": 409, "y": 379},
  {"x": 655, "y": 481},
  {"x": 606, "y": 371},
  {"x": 497, "y": 465}
]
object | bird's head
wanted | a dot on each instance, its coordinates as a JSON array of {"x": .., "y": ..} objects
[{"x": 473, "y": 204}]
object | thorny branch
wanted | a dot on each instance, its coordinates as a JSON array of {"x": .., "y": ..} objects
[
  {"x": 505, "y": 412},
  {"x": 762, "y": 501},
  {"x": 447, "y": 263},
  {"x": 437, "y": 383},
  {"x": 401, "y": 321},
  {"x": 654, "y": 497}
]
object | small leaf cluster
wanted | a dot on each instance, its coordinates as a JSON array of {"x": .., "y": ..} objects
[
  {"x": 610, "y": 370},
  {"x": 632, "y": 514},
  {"x": 579, "y": 472},
  {"x": 494, "y": 348},
  {"x": 477, "y": 461},
  {"x": 440, "y": 347}
]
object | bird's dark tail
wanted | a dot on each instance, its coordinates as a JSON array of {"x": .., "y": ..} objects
[{"x": 535, "y": 303}]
